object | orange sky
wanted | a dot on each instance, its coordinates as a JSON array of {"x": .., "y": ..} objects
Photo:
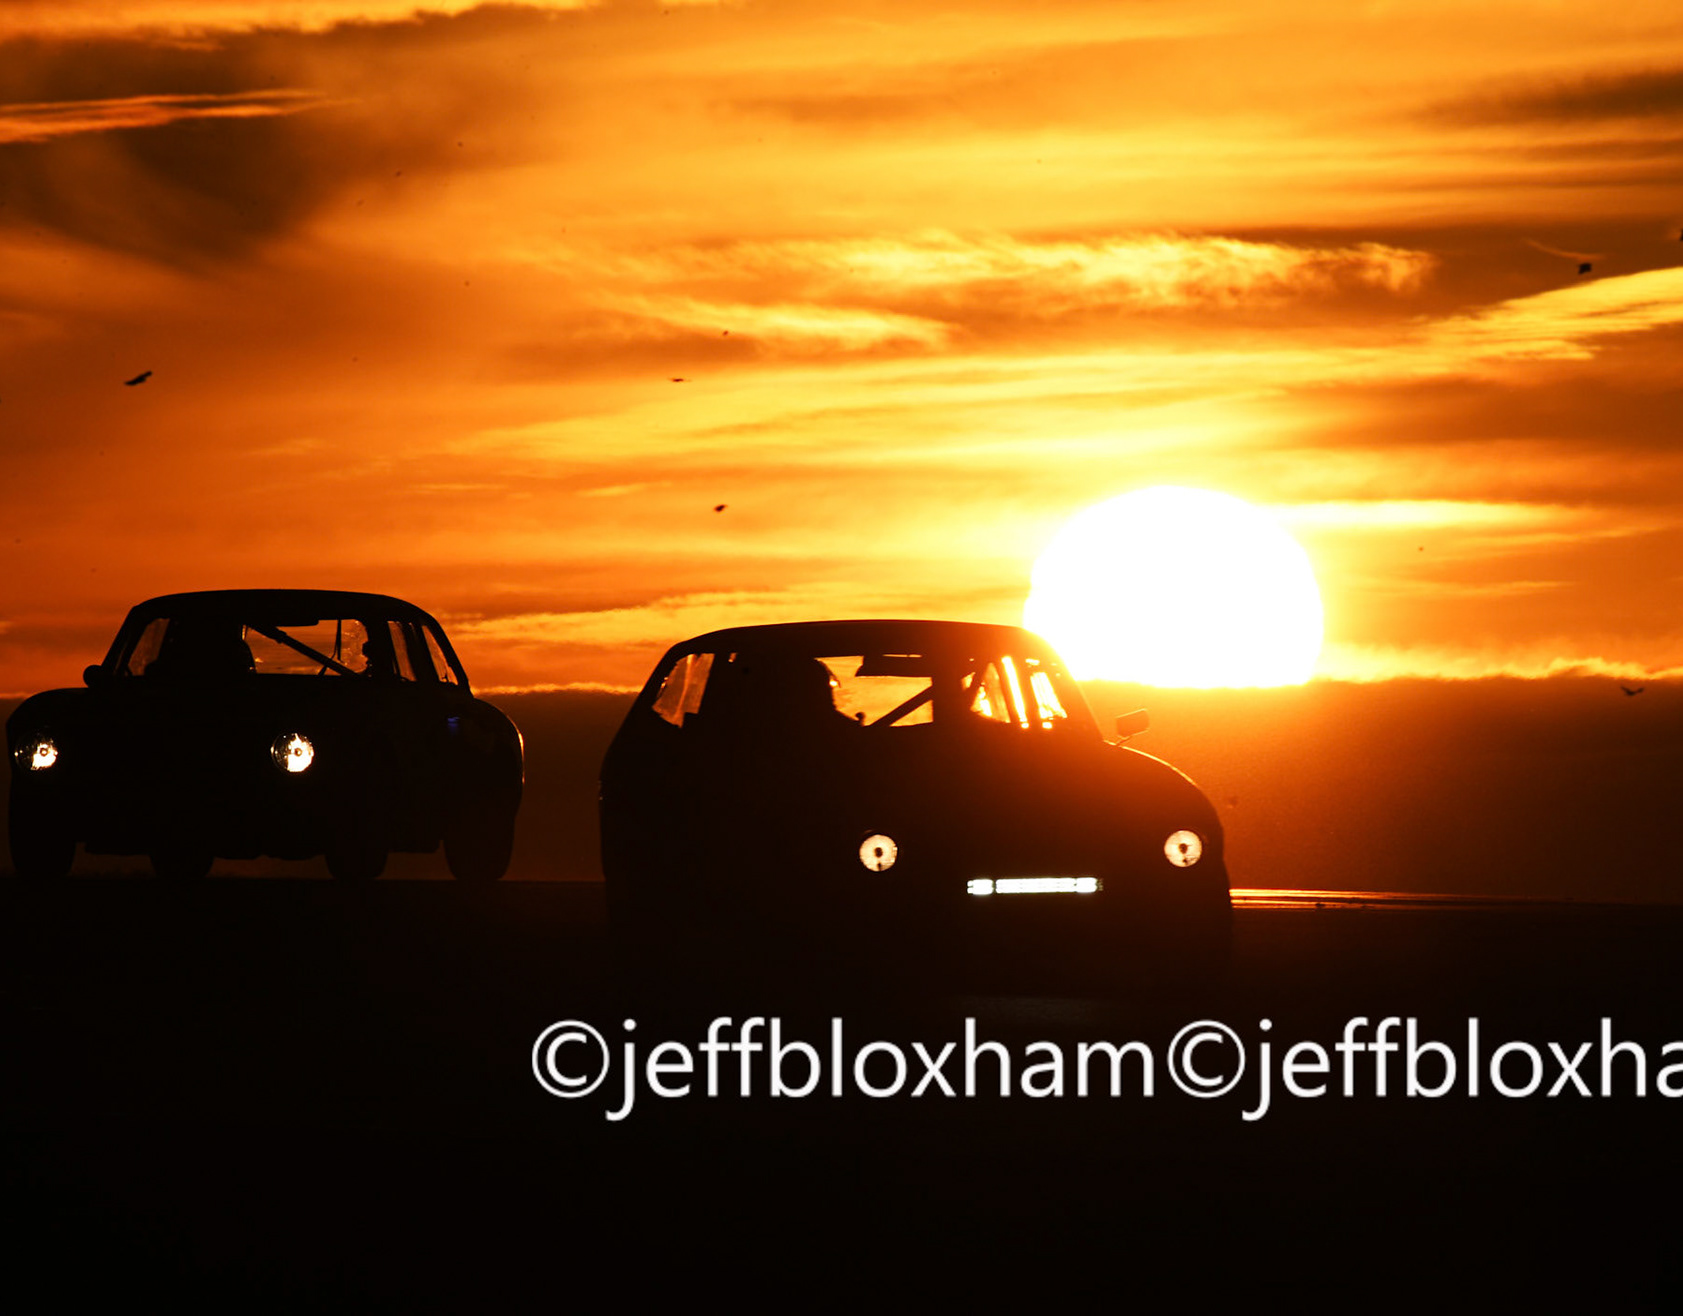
[{"x": 414, "y": 291}]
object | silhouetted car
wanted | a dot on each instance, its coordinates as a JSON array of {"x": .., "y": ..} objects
[
  {"x": 852, "y": 777},
  {"x": 293, "y": 723}
]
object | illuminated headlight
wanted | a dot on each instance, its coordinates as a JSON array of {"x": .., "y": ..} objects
[
  {"x": 878, "y": 853},
  {"x": 37, "y": 753},
  {"x": 1184, "y": 848},
  {"x": 292, "y": 752}
]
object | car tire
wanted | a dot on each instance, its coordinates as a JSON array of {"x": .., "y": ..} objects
[
  {"x": 634, "y": 857},
  {"x": 356, "y": 861},
  {"x": 1205, "y": 952},
  {"x": 1192, "y": 956},
  {"x": 479, "y": 842},
  {"x": 357, "y": 852},
  {"x": 43, "y": 847},
  {"x": 636, "y": 862},
  {"x": 181, "y": 864}
]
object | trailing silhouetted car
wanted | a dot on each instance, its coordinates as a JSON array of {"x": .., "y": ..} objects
[
  {"x": 293, "y": 723},
  {"x": 852, "y": 777}
]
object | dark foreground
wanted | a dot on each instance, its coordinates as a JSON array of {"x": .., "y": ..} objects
[{"x": 296, "y": 1094}]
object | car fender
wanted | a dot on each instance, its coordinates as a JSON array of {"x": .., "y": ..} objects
[
  {"x": 1161, "y": 789},
  {"x": 51, "y": 709},
  {"x": 1153, "y": 799},
  {"x": 490, "y": 751},
  {"x": 62, "y": 714}
]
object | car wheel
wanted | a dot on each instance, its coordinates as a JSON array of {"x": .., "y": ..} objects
[
  {"x": 356, "y": 849},
  {"x": 479, "y": 842},
  {"x": 43, "y": 847},
  {"x": 636, "y": 860},
  {"x": 1190, "y": 956},
  {"x": 181, "y": 864},
  {"x": 1205, "y": 950},
  {"x": 637, "y": 863},
  {"x": 631, "y": 925},
  {"x": 357, "y": 860}
]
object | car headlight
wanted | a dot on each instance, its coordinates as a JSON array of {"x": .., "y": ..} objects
[
  {"x": 35, "y": 753},
  {"x": 878, "y": 852},
  {"x": 292, "y": 751},
  {"x": 1184, "y": 848}
]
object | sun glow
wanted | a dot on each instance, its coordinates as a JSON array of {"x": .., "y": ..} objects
[{"x": 1178, "y": 587}]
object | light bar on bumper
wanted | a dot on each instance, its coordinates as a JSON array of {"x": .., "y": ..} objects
[{"x": 1026, "y": 886}]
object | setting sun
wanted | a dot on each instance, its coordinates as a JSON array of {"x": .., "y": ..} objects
[{"x": 1178, "y": 587}]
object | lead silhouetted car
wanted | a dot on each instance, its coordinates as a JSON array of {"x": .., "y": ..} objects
[
  {"x": 852, "y": 777},
  {"x": 292, "y": 723}
]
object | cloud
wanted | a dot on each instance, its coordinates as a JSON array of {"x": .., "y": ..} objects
[
  {"x": 617, "y": 490},
  {"x": 1471, "y": 528},
  {"x": 214, "y": 160},
  {"x": 665, "y": 621},
  {"x": 1380, "y": 662},
  {"x": 1046, "y": 277},
  {"x": 925, "y": 290},
  {"x": 1564, "y": 323},
  {"x": 1408, "y": 514},
  {"x": 1634, "y": 94},
  {"x": 39, "y": 122},
  {"x": 786, "y": 326},
  {"x": 187, "y": 19}
]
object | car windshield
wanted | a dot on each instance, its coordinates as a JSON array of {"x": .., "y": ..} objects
[
  {"x": 878, "y": 690},
  {"x": 902, "y": 690},
  {"x": 201, "y": 646}
]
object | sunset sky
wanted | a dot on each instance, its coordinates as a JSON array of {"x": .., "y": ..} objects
[{"x": 488, "y": 307}]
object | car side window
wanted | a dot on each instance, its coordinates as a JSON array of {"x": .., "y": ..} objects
[
  {"x": 146, "y": 648},
  {"x": 1047, "y": 709},
  {"x": 403, "y": 639},
  {"x": 1017, "y": 692},
  {"x": 440, "y": 664},
  {"x": 680, "y": 693},
  {"x": 994, "y": 693}
]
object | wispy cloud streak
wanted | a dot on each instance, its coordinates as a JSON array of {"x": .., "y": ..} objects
[
  {"x": 1148, "y": 270},
  {"x": 925, "y": 290},
  {"x": 42, "y": 121},
  {"x": 1565, "y": 323}
]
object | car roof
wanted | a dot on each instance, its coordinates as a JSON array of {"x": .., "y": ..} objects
[
  {"x": 317, "y": 602},
  {"x": 961, "y": 639}
]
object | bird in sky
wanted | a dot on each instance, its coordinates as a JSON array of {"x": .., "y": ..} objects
[
  {"x": 1584, "y": 267},
  {"x": 141, "y": 378},
  {"x": 1639, "y": 689},
  {"x": 721, "y": 507}
]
